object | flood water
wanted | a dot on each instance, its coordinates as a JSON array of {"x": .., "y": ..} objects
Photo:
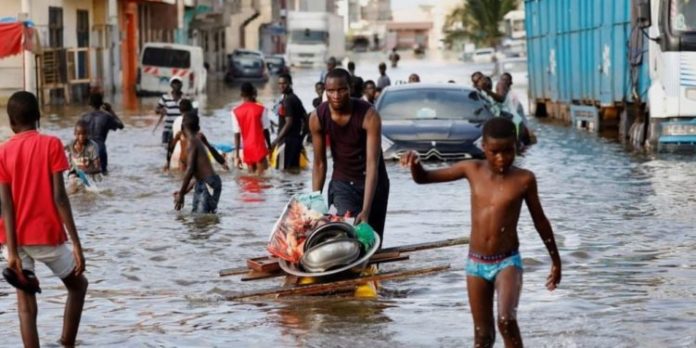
[{"x": 624, "y": 223}]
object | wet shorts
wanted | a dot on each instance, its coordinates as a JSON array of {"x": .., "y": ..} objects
[
  {"x": 59, "y": 258},
  {"x": 207, "y": 195},
  {"x": 488, "y": 267},
  {"x": 167, "y": 137}
]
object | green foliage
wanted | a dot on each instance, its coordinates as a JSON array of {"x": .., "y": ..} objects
[{"x": 477, "y": 21}]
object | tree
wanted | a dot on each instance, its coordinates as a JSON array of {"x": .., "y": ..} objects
[{"x": 478, "y": 20}]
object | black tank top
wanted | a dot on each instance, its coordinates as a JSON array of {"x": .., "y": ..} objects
[{"x": 348, "y": 143}]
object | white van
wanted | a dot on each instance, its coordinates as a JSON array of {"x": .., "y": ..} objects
[
  {"x": 159, "y": 62},
  {"x": 483, "y": 55}
]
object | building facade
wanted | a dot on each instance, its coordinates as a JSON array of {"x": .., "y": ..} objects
[{"x": 74, "y": 38}]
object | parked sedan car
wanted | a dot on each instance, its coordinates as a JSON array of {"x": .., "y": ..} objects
[
  {"x": 439, "y": 121},
  {"x": 276, "y": 65},
  {"x": 246, "y": 65}
]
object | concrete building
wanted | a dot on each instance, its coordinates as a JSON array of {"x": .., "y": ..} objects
[
  {"x": 406, "y": 35},
  {"x": 365, "y": 21},
  {"x": 76, "y": 37},
  {"x": 440, "y": 11},
  {"x": 313, "y": 5}
]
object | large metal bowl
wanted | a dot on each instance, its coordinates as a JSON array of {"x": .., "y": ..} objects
[
  {"x": 331, "y": 254},
  {"x": 356, "y": 266},
  {"x": 329, "y": 231}
]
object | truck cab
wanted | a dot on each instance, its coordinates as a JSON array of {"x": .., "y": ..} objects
[
  {"x": 313, "y": 37},
  {"x": 672, "y": 66}
]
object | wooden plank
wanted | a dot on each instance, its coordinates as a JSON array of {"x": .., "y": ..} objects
[
  {"x": 403, "y": 249},
  {"x": 427, "y": 245},
  {"x": 263, "y": 264},
  {"x": 313, "y": 289},
  {"x": 253, "y": 275}
]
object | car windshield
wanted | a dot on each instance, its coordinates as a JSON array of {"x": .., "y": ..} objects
[
  {"x": 309, "y": 36},
  {"x": 683, "y": 15},
  {"x": 247, "y": 54},
  {"x": 166, "y": 57},
  {"x": 248, "y": 62},
  {"x": 419, "y": 104}
]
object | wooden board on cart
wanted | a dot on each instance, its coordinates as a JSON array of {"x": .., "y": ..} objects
[
  {"x": 268, "y": 265},
  {"x": 337, "y": 286}
]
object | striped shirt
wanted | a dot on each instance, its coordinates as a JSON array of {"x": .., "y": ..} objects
[{"x": 171, "y": 108}]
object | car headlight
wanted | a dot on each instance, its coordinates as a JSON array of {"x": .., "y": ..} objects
[
  {"x": 676, "y": 129},
  {"x": 479, "y": 143},
  {"x": 386, "y": 144}
]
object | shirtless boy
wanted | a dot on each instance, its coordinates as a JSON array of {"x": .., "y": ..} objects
[
  {"x": 497, "y": 191},
  {"x": 208, "y": 184}
]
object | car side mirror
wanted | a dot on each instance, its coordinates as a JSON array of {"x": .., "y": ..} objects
[
  {"x": 473, "y": 95},
  {"x": 642, "y": 14}
]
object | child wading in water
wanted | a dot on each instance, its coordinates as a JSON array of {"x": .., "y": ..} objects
[
  {"x": 84, "y": 158},
  {"x": 497, "y": 191},
  {"x": 208, "y": 184},
  {"x": 35, "y": 215}
]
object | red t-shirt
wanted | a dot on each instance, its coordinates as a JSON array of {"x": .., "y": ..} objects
[
  {"x": 250, "y": 119},
  {"x": 27, "y": 163}
]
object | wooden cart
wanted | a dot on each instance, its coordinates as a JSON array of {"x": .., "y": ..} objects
[{"x": 268, "y": 267}]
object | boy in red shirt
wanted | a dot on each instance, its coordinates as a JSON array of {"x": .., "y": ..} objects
[
  {"x": 250, "y": 123},
  {"x": 35, "y": 214}
]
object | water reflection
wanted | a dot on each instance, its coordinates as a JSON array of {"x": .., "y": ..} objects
[
  {"x": 252, "y": 187},
  {"x": 303, "y": 321}
]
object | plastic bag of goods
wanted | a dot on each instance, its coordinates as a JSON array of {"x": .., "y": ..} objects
[{"x": 302, "y": 214}]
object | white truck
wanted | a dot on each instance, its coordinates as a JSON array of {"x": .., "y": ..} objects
[{"x": 313, "y": 37}]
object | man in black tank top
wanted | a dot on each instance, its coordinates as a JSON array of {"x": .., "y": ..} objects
[
  {"x": 359, "y": 182},
  {"x": 292, "y": 118}
]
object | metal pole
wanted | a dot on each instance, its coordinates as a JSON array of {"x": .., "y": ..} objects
[{"x": 27, "y": 65}]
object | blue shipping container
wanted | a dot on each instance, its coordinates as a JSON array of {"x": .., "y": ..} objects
[{"x": 578, "y": 52}]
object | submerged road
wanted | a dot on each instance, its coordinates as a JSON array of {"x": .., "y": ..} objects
[{"x": 624, "y": 223}]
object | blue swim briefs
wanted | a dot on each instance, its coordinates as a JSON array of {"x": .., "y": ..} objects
[{"x": 488, "y": 267}]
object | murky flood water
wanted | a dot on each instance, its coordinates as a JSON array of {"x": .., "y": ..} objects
[{"x": 625, "y": 226}]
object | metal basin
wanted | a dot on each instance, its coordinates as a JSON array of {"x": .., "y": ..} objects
[
  {"x": 329, "y": 231},
  {"x": 356, "y": 266},
  {"x": 331, "y": 254}
]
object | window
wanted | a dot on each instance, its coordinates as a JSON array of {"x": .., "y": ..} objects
[
  {"x": 167, "y": 57},
  {"x": 309, "y": 36},
  {"x": 55, "y": 27},
  {"x": 683, "y": 15},
  {"x": 82, "y": 28}
]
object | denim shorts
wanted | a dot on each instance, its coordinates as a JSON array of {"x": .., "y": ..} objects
[{"x": 207, "y": 195}]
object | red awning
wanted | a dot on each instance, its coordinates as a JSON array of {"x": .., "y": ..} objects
[{"x": 11, "y": 39}]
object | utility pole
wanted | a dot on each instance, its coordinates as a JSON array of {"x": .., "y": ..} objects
[{"x": 28, "y": 64}]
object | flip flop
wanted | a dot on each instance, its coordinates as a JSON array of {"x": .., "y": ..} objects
[{"x": 29, "y": 283}]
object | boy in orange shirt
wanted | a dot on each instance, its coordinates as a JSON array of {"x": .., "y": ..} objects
[{"x": 35, "y": 214}]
